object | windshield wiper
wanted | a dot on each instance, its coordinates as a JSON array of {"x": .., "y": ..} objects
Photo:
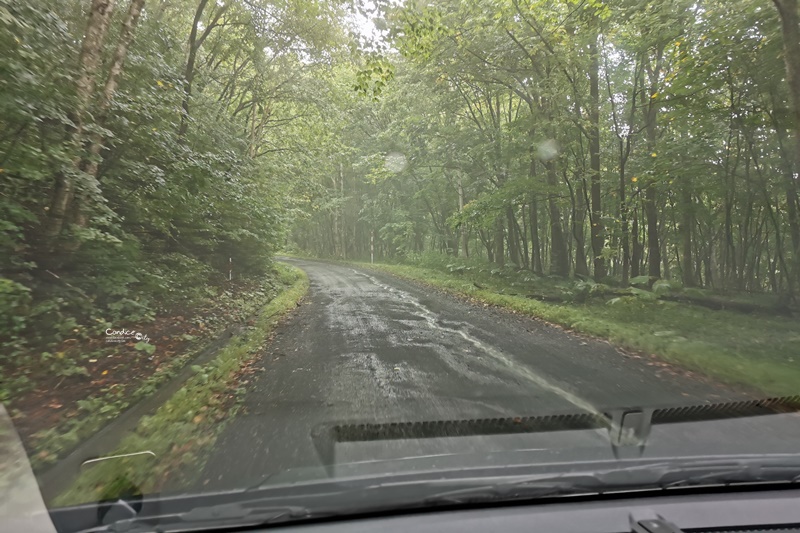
[
  {"x": 726, "y": 473},
  {"x": 654, "y": 477},
  {"x": 244, "y": 511},
  {"x": 527, "y": 489}
]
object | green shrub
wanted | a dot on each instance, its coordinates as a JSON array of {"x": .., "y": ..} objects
[{"x": 15, "y": 301}]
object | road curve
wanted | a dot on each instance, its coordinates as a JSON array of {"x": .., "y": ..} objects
[{"x": 367, "y": 346}]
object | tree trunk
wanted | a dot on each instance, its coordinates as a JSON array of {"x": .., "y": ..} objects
[
  {"x": 462, "y": 230},
  {"x": 336, "y": 240},
  {"x": 792, "y": 199},
  {"x": 342, "y": 217},
  {"x": 559, "y": 257},
  {"x": 650, "y": 195},
  {"x": 195, "y": 42},
  {"x": 499, "y": 254},
  {"x": 513, "y": 237},
  {"x": 729, "y": 256},
  {"x": 653, "y": 247},
  {"x": 578, "y": 227},
  {"x": 487, "y": 244},
  {"x": 685, "y": 231},
  {"x": 536, "y": 247},
  {"x": 188, "y": 72},
  {"x": 598, "y": 234},
  {"x": 636, "y": 254},
  {"x": 623, "y": 215},
  {"x": 109, "y": 90},
  {"x": 526, "y": 257},
  {"x": 624, "y": 146},
  {"x": 790, "y": 30},
  {"x": 126, "y": 36},
  {"x": 89, "y": 62}
]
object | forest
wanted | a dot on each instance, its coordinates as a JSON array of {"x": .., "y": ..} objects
[
  {"x": 610, "y": 140},
  {"x": 146, "y": 154},
  {"x": 153, "y": 150}
]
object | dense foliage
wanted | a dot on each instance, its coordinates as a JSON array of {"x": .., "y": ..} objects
[
  {"x": 145, "y": 149},
  {"x": 612, "y": 139},
  {"x": 148, "y": 145}
]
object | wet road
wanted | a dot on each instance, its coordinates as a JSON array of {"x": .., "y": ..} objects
[{"x": 370, "y": 347}]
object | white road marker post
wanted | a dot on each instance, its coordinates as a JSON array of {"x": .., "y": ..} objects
[
  {"x": 372, "y": 246},
  {"x": 230, "y": 269}
]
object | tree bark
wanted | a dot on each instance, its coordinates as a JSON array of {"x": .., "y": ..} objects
[
  {"x": 89, "y": 62},
  {"x": 526, "y": 257},
  {"x": 636, "y": 253},
  {"x": 112, "y": 82},
  {"x": 499, "y": 254},
  {"x": 578, "y": 199},
  {"x": 195, "y": 42},
  {"x": 533, "y": 212},
  {"x": 650, "y": 195},
  {"x": 559, "y": 257},
  {"x": 597, "y": 231},
  {"x": 624, "y": 134},
  {"x": 623, "y": 215},
  {"x": 188, "y": 72},
  {"x": 487, "y": 244},
  {"x": 536, "y": 246},
  {"x": 513, "y": 237},
  {"x": 790, "y": 30},
  {"x": 685, "y": 230},
  {"x": 462, "y": 230},
  {"x": 651, "y": 218}
]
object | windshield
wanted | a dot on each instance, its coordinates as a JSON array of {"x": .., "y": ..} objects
[{"x": 257, "y": 243}]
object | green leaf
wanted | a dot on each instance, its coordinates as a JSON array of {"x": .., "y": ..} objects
[{"x": 146, "y": 347}]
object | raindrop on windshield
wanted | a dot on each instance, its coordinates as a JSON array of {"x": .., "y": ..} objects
[
  {"x": 547, "y": 150},
  {"x": 395, "y": 162}
]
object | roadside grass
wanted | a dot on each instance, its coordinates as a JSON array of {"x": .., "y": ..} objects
[
  {"x": 107, "y": 392},
  {"x": 96, "y": 412},
  {"x": 758, "y": 351},
  {"x": 182, "y": 430}
]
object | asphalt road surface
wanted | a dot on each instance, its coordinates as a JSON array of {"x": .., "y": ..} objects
[{"x": 369, "y": 347}]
